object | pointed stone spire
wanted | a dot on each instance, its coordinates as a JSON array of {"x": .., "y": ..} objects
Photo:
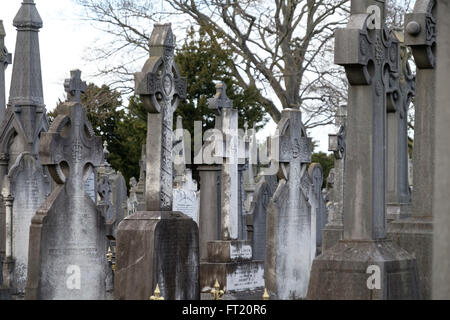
[
  {"x": 26, "y": 81},
  {"x": 5, "y": 60}
]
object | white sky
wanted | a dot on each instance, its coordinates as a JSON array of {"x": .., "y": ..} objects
[{"x": 63, "y": 42}]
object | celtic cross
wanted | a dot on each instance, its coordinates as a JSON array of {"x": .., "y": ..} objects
[
  {"x": 70, "y": 148},
  {"x": 74, "y": 86},
  {"x": 369, "y": 54},
  {"x": 161, "y": 88}
]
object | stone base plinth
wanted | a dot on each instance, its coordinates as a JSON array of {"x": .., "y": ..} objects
[
  {"x": 396, "y": 211},
  {"x": 157, "y": 248},
  {"x": 230, "y": 263},
  {"x": 229, "y": 251},
  {"x": 415, "y": 235},
  {"x": 233, "y": 276},
  {"x": 352, "y": 270},
  {"x": 331, "y": 236}
]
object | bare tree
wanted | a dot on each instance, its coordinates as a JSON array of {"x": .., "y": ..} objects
[{"x": 283, "y": 47}]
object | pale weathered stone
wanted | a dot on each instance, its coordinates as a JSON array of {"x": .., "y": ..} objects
[
  {"x": 291, "y": 245},
  {"x": 68, "y": 233}
]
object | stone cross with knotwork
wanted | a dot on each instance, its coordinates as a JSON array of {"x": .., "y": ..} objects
[
  {"x": 70, "y": 148},
  {"x": 369, "y": 54},
  {"x": 5, "y": 60},
  {"x": 229, "y": 149},
  {"x": 295, "y": 147},
  {"x": 400, "y": 91},
  {"x": 161, "y": 88}
]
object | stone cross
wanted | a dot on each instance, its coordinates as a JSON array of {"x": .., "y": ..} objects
[
  {"x": 289, "y": 225},
  {"x": 295, "y": 149},
  {"x": 71, "y": 156},
  {"x": 400, "y": 93},
  {"x": 368, "y": 55},
  {"x": 5, "y": 60},
  {"x": 230, "y": 173},
  {"x": 68, "y": 232},
  {"x": 74, "y": 86},
  {"x": 161, "y": 88}
]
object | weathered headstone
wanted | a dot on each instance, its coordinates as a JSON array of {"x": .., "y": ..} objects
[
  {"x": 257, "y": 216},
  {"x": 318, "y": 205},
  {"x": 367, "y": 51},
  {"x": 289, "y": 237},
  {"x": 24, "y": 182},
  {"x": 400, "y": 93},
  {"x": 5, "y": 60},
  {"x": 415, "y": 234},
  {"x": 112, "y": 189},
  {"x": 229, "y": 260},
  {"x": 186, "y": 198},
  {"x": 67, "y": 233},
  {"x": 158, "y": 246},
  {"x": 334, "y": 230},
  {"x": 440, "y": 199}
]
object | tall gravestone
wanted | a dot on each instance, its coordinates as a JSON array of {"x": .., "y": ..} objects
[
  {"x": 440, "y": 210},
  {"x": 24, "y": 182},
  {"x": 158, "y": 246},
  {"x": 368, "y": 52},
  {"x": 400, "y": 93},
  {"x": 229, "y": 260},
  {"x": 415, "y": 234},
  {"x": 334, "y": 230},
  {"x": 67, "y": 258},
  {"x": 290, "y": 243}
]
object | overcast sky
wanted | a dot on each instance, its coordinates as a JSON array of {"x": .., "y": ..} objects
[{"x": 63, "y": 42}]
